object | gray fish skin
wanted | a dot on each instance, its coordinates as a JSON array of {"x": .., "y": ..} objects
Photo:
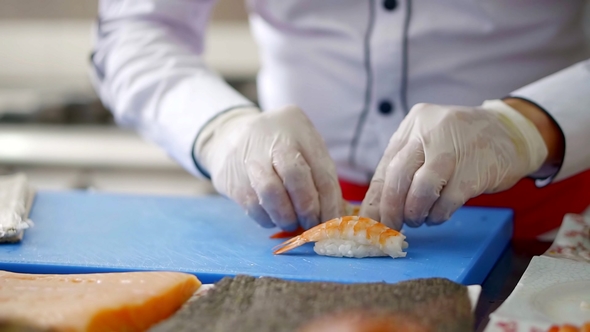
[{"x": 244, "y": 304}]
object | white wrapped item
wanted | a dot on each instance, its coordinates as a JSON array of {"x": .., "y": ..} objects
[
  {"x": 552, "y": 292},
  {"x": 573, "y": 239},
  {"x": 15, "y": 201},
  {"x": 555, "y": 288}
]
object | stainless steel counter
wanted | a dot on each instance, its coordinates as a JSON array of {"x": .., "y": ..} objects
[{"x": 93, "y": 157}]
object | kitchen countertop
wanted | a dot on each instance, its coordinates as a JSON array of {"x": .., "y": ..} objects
[
  {"x": 80, "y": 146},
  {"x": 101, "y": 158}
]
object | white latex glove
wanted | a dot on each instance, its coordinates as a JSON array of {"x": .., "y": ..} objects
[
  {"x": 274, "y": 164},
  {"x": 441, "y": 156}
]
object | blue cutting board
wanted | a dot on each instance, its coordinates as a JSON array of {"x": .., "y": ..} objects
[{"x": 82, "y": 232}]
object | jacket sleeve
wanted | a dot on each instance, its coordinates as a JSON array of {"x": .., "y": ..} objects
[
  {"x": 147, "y": 69},
  {"x": 565, "y": 96}
]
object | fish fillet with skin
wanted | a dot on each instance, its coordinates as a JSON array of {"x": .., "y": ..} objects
[{"x": 131, "y": 301}]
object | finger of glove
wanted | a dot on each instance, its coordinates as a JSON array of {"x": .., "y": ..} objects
[
  {"x": 247, "y": 198},
  {"x": 257, "y": 212},
  {"x": 272, "y": 195},
  {"x": 330, "y": 194},
  {"x": 398, "y": 179},
  {"x": 427, "y": 184},
  {"x": 370, "y": 206},
  {"x": 295, "y": 173},
  {"x": 451, "y": 198},
  {"x": 371, "y": 202},
  {"x": 323, "y": 173}
]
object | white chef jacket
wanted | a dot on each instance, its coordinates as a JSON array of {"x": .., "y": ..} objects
[{"x": 354, "y": 66}]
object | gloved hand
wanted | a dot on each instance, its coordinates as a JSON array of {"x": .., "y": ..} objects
[
  {"x": 274, "y": 164},
  {"x": 441, "y": 156}
]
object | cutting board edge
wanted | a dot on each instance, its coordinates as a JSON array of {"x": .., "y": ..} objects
[{"x": 478, "y": 271}]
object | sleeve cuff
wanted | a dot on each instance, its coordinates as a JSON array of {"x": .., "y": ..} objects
[
  {"x": 207, "y": 131},
  {"x": 546, "y": 174},
  {"x": 565, "y": 97}
]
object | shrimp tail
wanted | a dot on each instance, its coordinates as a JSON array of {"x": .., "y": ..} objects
[{"x": 288, "y": 245}]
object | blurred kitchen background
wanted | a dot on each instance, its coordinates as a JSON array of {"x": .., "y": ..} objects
[{"x": 52, "y": 126}]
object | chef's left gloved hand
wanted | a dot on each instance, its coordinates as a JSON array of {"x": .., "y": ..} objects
[{"x": 441, "y": 156}]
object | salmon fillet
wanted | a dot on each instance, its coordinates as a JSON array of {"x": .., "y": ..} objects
[{"x": 93, "y": 302}]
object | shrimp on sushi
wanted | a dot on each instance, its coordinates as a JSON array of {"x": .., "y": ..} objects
[
  {"x": 350, "y": 236},
  {"x": 349, "y": 208}
]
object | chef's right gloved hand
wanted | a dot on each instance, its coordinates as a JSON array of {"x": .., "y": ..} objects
[{"x": 274, "y": 164}]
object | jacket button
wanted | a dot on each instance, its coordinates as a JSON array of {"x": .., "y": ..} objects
[
  {"x": 385, "y": 107},
  {"x": 390, "y": 4}
]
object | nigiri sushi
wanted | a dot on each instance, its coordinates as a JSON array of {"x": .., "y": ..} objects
[{"x": 350, "y": 236}]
